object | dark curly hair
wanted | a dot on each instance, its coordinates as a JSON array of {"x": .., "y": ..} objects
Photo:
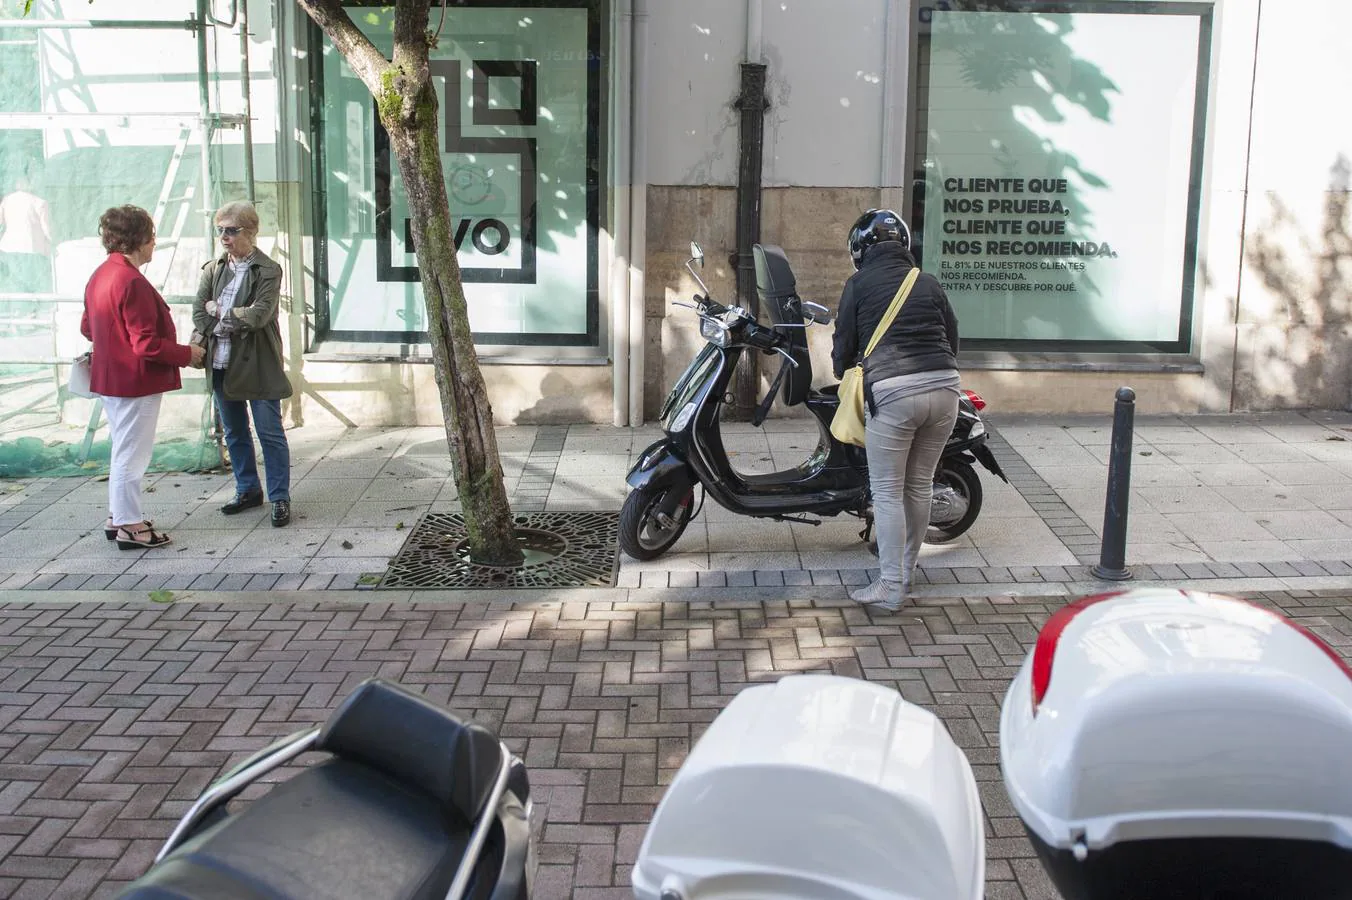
[{"x": 125, "y": 229}]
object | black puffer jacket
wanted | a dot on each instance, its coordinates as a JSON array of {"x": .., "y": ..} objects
[{"x": 924, "y": 336}]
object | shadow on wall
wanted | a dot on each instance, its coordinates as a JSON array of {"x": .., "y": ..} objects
[
  {"x": 1002, "y": 55},
  {"x": 559, "y": 403},
  {"x": 1036, "y": 80},
  {"x": 1298, "y": 349}
]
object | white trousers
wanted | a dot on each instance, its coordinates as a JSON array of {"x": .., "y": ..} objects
[{"x": 131, "y": 422}]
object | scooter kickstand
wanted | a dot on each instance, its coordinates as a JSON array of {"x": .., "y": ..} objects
[{"x": 798, "y": 520}]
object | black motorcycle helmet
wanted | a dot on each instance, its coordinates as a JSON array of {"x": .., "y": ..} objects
[{"x": 874, "y": 227}]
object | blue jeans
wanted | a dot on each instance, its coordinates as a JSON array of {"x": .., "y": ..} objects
[{"x": 267, "y": 418}]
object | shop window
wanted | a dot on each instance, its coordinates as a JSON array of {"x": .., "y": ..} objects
[
  {"x": 1058, "y": 164},
  {"x": 520, "y": 103}
]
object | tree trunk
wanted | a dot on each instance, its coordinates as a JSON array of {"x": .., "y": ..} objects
[
  {"x": 464, "y": 398},
  {"x": 407, "y": 103}
]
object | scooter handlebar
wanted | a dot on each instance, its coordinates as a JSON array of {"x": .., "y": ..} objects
[
  {"x": 754, "y": 335},
  {"x": 709, "y": 306}
]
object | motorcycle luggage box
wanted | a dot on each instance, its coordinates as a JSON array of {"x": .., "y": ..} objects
[
  {"x": 818, "y": 787},
  {"x": 1175, "y": 744}
]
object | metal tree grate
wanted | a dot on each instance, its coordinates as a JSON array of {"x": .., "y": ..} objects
[{"x": 563, "y": 549}]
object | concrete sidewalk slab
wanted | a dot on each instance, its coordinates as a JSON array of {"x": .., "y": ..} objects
[{"x": 1271, "y": 492}]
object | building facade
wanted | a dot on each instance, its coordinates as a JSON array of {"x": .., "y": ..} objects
[{"x": 1113, "y": 192}]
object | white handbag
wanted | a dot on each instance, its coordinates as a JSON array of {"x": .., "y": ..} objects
[{"x": 79, "y": 377}]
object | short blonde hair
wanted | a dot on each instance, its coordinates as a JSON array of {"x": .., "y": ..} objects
[{"x": 243, "y": 212}]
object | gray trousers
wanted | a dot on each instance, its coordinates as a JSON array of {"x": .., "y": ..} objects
[{"x": 903, "y": 442}]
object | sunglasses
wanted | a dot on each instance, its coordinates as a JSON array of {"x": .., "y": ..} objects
[{"x": 228, "y": 230}]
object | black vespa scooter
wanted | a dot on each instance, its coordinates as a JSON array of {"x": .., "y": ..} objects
[{"x": 832, "y": 480}]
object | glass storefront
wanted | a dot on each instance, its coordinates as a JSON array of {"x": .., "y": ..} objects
[
  {"x": 1058, "y": 153},
  {"x": 521, "y": 107}
]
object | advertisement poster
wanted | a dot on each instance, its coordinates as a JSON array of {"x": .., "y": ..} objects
[
  {"x": 1057, "y": 197},
  {"x": 517, "y": 96}
]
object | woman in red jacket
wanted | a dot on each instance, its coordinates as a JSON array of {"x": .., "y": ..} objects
[{"x": 135, "y": 360}]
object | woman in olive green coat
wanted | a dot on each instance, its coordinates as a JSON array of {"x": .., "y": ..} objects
[{"x": 236, "y": 311}]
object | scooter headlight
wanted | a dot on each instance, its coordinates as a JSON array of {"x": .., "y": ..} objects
[
  {"x": 978, "y": 429},
  {"x": 715, "y": 332},
  {"x": 683, "y": 417}
]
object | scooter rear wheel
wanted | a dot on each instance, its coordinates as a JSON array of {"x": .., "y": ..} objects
[
  {"x": 644, "y": 534},
  {"x": 963, "y": 481}
]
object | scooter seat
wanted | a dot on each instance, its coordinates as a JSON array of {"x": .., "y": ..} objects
[
  {"x": 403, "y": 734},
  {"x": 388, "y": 817},
  {"x": 339, "y": 829}
]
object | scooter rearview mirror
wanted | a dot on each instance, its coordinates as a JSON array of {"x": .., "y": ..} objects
[
  {"x": 817, "y": 313},
  {"x": 697, "y": 253}
]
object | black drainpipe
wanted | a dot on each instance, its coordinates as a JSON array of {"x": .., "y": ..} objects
[{"x": 752, "y": 103}]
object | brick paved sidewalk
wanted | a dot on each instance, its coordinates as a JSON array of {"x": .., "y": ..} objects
[{"x": 113, "y": 717}]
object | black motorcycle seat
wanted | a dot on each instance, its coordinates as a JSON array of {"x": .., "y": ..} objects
[
  {"x": 397, "y": 731},
  {"x": 339, "y": 829}
]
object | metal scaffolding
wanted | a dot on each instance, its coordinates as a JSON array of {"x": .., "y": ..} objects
[{"x": 35, "y": 324}]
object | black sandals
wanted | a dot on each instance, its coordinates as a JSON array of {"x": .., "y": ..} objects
[
  {"x": 142, "y": 538},
  {"x": 110, "y": 530}
]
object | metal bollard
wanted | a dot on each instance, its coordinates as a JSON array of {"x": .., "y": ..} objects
[{"x": 1112, "y": 564}]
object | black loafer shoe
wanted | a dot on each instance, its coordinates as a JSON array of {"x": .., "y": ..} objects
[
  {"x": 281, "y": 513},
  {"x": 242, "y": 502}
]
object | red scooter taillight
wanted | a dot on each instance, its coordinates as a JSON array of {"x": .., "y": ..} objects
[{"x": 976, "y": 400}]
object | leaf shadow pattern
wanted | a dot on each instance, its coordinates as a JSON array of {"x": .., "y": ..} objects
[
  {"x": 1302, "y": 357},
  {"x": 1329, "y": 298},
  {"x": 1029, "y": 54},
  {"x": 534, "y": 182}
]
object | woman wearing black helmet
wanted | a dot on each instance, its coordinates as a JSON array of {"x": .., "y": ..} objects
[{"x": 911, "y": 389}]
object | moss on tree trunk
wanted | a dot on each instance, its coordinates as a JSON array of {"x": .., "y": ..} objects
[
  {"x": 407, "y": 104},
  {"x": 464, "y": 397}
]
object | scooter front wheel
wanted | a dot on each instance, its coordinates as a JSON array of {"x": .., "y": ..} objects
[
  {"x": 647, "y": 530},
  {"x": 956, "y": 504}
]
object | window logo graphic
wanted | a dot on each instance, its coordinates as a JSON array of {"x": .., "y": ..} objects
[{"x": 491, "y": 181}]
